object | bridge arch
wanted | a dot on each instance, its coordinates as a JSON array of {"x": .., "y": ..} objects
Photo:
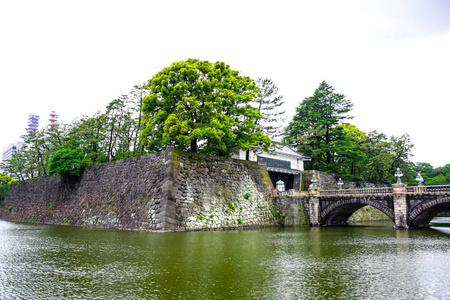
[
  {"x": 422, "y": 214},
  {"x": 340, "y": 211}
]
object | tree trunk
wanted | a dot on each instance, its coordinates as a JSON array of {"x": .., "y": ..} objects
[{"x": 194, "y": 146}]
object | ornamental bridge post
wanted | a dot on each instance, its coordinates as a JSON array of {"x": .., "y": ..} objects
[
  {"x": 400, "y": 205},
  {"x": 314, "y": 206}
]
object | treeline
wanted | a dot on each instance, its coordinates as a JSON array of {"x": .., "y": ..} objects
[
  {"x": 320, "y": 128},
  {"x": 67, "y": 148},
  {"x": 203, "y": 107}
]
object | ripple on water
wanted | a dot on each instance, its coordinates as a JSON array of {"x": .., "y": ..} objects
[{"x": 57, "y": 262}]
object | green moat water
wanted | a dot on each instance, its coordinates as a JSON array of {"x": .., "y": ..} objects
[{"x": 355, "y": 262}]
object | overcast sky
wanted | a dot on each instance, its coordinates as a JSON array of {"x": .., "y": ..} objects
[{"x": 391, "y": 58}]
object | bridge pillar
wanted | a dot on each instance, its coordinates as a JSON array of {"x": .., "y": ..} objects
[
  {"x": 400, "y": 205},
  {"x": 314, "y": 207}
]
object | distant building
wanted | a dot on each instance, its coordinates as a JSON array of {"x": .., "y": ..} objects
[
  {"x": 33, "y": 122},
  {"x": 9, "y": 151},
  {"x": 53, "y": 118},
  {"x": 284, "y": 164}
]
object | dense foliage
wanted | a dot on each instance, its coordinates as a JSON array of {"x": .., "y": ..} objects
[
  {"x": 5, "y": 184},
  {"x": 67, "y": 160},
  {"x": 201, "y": 107},
  {"x": 318, "y": 129},
  {"x": 432, "y": 175},
  {"x": 67, "y": 149},
  {"x": 311, "y": 129}
]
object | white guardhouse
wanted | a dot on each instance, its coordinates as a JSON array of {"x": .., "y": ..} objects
[{"x": 283, "y": 164}]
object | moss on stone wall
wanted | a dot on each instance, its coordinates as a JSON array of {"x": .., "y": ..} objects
[
  {"x": 367, "y": 213},
  {"x": 292, "y": 211}
]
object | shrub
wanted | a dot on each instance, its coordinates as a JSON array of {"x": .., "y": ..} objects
[
  {"x": 239, "y": 221},
  {"x": 67, "y": 160},
  {"x": 247, "y": 195},
  {"x": 5, "y": 184}
]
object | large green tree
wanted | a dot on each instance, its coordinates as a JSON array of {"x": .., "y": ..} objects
[
  {"x": 311, "y": 128},
  {"x": 201, "y": 107}
]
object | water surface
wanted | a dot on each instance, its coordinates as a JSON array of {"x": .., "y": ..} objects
[{"x": 355, "y": 262}]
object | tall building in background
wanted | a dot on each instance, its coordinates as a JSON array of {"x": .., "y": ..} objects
[
  {"x": 9, "y": 151},
  {"x": 53, "y": 118},
  {"x": 33, "y": 122}
]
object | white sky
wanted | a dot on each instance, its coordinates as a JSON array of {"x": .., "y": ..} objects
[{"x": 391, "y": 58}]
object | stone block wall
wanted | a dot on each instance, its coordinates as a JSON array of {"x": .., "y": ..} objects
[
  {"x": 210, "y": 193},
  {"x": 167, "y": 191},
  {"x": 325, "y": 181},
  {"x": 126, "y": 194},
  {"x": 293, "y": 211}
]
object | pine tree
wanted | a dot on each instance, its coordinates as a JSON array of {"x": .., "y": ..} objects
[
  {"x": 310, "y": 129},
  {"x": 269, "y": 103}
]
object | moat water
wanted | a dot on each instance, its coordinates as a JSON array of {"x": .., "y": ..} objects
[{"x": 354, "y": 262}]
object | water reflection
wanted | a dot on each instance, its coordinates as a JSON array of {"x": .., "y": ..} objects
[{"x": 368, "y": 262}]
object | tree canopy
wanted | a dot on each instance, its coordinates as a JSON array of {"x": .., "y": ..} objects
[
  {"x": 310, "y": 129},
  {"x": 66, "y": 148},
  {"x": 318, "y": 129},
  {"x": 201, "y": 107}
]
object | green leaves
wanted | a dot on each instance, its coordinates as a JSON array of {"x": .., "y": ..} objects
[
  {"x": 67, "y": 160},
  {"x": 5, "y": 184},
  {"x": 202, "y": 107},
  {"x": 310, "y": 129}
]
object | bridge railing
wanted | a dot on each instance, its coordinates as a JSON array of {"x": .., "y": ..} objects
[
  {"x": 428, "y": 189},
  {"x": 368, "y": 191},
  {"x": 295, "y": 193}
]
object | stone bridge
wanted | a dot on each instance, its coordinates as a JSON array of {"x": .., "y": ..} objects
[{"x": 406, "y": 206}]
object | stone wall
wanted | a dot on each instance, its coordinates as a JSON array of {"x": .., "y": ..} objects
[
  {"x": 167, "y": 191},
  {"x": 325, "y": 181},
  {"x": 293, "y": 211},
  {"x": 126, "y": 194},
  {"x": 211, "y": 193}
]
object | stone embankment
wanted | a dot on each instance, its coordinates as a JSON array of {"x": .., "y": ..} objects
[{"x": 167, "y": 191}]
